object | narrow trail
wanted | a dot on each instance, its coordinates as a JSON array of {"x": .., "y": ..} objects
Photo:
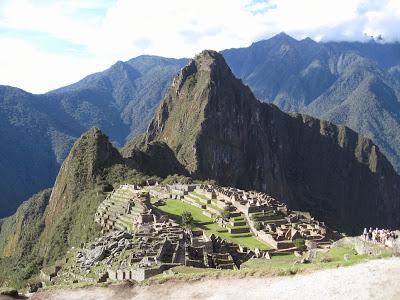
[{"x": 377, "y": 279}]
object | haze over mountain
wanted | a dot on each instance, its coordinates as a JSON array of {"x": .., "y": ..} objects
[
  {"x": 356, "y": 84},
  {"x": 37, "y": 131}
]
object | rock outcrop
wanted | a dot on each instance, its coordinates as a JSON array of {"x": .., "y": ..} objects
[{"x": 219, "y": 130}]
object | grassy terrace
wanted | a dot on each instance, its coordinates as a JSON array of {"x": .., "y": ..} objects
[
  {"x": 174, "y": 208},
  {"x": 267, "y": 216},
  {"x": 339, "y": 256},
  {"x": 200, "y": 195}
]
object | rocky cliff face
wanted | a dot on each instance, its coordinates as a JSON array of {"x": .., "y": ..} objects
[
  {"x": 154, "y": 158},
  {"x": 218, "y": 130}
]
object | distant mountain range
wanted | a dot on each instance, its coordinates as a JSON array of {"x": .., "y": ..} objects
[
  {"x": 356, "y": 84},
  {"x": 37, "y": 131}
]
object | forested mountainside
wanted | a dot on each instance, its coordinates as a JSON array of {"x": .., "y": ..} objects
[
  {"x": 37, "y": 131},
  {"x": 353, "y": 84}
]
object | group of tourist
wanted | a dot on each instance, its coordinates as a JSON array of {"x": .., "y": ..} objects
[{"x": 378, "y": 235}]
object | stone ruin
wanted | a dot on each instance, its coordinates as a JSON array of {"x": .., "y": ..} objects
[
  {"x": 270, "y": 220},
  {"x": 123, "y": 209},
  {"x": 139, "y": 242}
]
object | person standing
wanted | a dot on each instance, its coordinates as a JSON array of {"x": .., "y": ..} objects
[{"x": 365, "y": 233}]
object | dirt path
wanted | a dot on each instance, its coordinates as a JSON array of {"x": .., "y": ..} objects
[{"x": 377, "y": 279}]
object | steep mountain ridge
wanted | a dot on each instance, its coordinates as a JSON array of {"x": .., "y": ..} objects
[
  {"x": 37, "y": 131},
  {"x": 89, "y": 156},
  {"x": 218, "y": 130},
  {"x": 48, "y": 224},
  {"x": 352, "y": 84}
]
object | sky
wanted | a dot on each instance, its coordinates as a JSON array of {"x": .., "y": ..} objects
[{"x": 46, "y": 44}]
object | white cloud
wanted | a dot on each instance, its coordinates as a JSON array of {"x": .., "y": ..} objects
[
  {"x": 24, "y": 66},
  {"x": 174, "y": 28}
]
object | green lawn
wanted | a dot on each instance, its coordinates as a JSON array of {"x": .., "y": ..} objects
[
  {"x": 267, "y": 216},
  {"x": 200, "y": 195},
  {"x": 286, "y": 264},
  {"x": 174, "y": 208}
]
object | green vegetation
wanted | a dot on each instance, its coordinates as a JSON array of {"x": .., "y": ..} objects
[
  {"x": 40, "y": 234},
  {"x": 225, "y": 214},
  {"x": 281, "y": 265},
  {"x": 299, "y": 243},
  {"x": 18, "y": 241},
  {"x": 175, "y": 208},
  {"x": 187, "y": 220},
  {"x": 171, "y": 179},
  {"x": 338, "y": 256},
  {"x": 200, "y": 195}
]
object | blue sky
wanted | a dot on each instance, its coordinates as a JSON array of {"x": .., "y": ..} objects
[{"x": 45, "y": 44}]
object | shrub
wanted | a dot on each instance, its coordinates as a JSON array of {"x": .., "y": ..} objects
[
  {"x": 187, "y": 220},
  {"x": 253, "y": 217},
  {"x": 326, "y": 259},
  {"x": 171, "y": 179},
  {"x": 106, "y": 187},
  {"x": 226, "y": 214},
  {"x": 258, "y": 225},
  {"x": 299, "y": 243}
]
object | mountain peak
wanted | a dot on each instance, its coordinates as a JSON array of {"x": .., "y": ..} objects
[
  {"x": 218, "y": 130},
  {"x": 89, "y": 156},
  {"x": 283, "y": 37},
  {"x": 308, "y": 40},
  {"x": 208, "y": 56},
  {"x": 207, "y": 60}
]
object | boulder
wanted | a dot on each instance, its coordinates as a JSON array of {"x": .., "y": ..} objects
[
  {"x": 112, "y": 245},
  {"x": 366, "y": 248},
  {"x": 310, "y": 244},
  {"x": 95, "y": 255},
  {"x": 33, "y": 287}
]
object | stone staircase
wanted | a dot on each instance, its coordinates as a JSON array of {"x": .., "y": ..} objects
[{"x": 118, "y": 211}]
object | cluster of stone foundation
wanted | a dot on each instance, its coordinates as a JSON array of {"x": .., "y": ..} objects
[
  {"x": 267, "y": 218},
  {"x": 140, "y": 241}
]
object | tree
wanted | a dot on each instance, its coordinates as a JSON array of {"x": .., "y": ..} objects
[
  {"x": 226, "y": 214},
  {"x": 299, "y": 243},
  {"x": 187, "y": 220},
  {"x": 258, "y": 225}
]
